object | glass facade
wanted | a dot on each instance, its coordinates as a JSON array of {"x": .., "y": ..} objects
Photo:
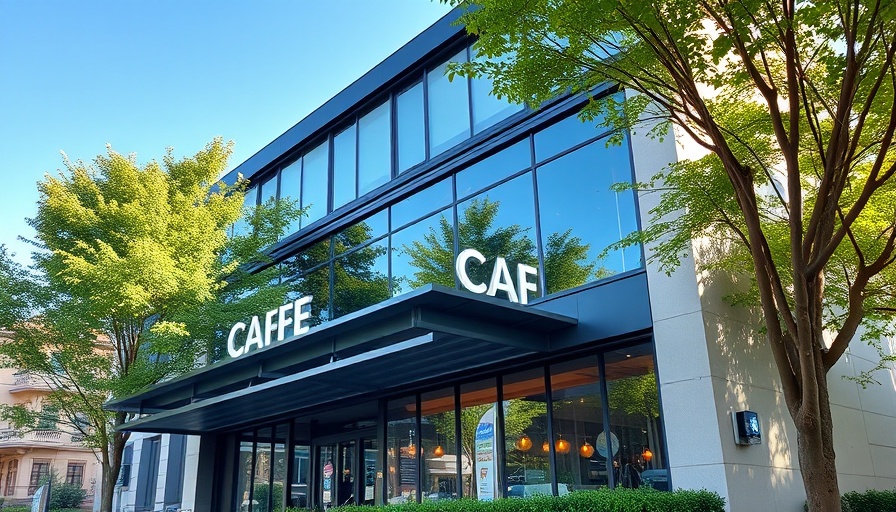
[{"x": 581, "y": 422}]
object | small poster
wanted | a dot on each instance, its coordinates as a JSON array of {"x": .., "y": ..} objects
[{"x": 485, "y": 455}]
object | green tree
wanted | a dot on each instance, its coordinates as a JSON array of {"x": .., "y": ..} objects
[
  {"x": 798, "y": 90},
  {"x": 135, "y": 265}
]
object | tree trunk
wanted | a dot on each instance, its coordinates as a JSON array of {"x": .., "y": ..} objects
[
  {"x": 815, "y": 446},
  {"x": 111, "y": 469}
]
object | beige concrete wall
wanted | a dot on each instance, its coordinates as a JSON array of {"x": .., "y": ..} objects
[{"x": 712, "y": 359}]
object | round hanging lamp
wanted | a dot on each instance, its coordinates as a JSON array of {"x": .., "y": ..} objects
[
  {"x": 523, "y": 444},
  {"x": 586, "y": 450}
]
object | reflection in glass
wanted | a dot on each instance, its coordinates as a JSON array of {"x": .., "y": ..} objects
[
  {"x": 371, "y": 228},
  {"x": 487, "y": 109},
  {"x": 563, "y": 135},
  {"x": 314, "y": 283},
  {"x": 432, "y": 198},
  {"x": 314, "y": 183},
  {"x": 242, "y": 226},
  {"x": 261, "y": 488},
  {"x": 423, "y": 253},
  {"x": 269, "y": 189},
  {"x": 572, "y": 240},
  {"x": 478, "y": 406},
  {"x": 244, "y": 472},
  {"x": 438, "y": 446},
  {"x": 290, "y": 188},
  {"x": 344, "y": 176},
  {"x": 528, "y": 468},
  {"x": 301, "y": 467},
  {"x": 402, "y": 443},
  {"x": 278, "y": 469},
  {"x": 374, "y": 149},
  {"x": 493, "y": 169},
  {"x": 578, "y": 421},
  {"x": 411, "y": 144},
  {"x": 361, "y": 278},
  {"x": 635, "y": 417},
  {"x": 327, "y": 470},
  {"x": 449, "y": 107},
  {"x": 500, "y": 223}
]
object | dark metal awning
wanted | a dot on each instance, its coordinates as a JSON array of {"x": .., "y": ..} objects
[{"x": 431, "y": 332}]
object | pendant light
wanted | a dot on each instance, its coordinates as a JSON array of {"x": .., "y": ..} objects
[
  {"x": 647, "y": 454},
  {"x": 545, "y": 446},
  {"x": 523, "y": 444},
  {"x": 562, "y": 445},
  {"x": 438, "y": 452},
  {"x": 586, "y": 450}
]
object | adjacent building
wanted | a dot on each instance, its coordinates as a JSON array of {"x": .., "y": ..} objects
[
  {"x": 456, "y": 328},
  {"x": 29, "y": 457}
]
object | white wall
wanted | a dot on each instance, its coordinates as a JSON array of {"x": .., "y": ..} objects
[{"x": 126, "y": 496}]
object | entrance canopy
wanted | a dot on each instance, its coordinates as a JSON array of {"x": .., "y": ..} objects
[{"x": 428, "y": 333}]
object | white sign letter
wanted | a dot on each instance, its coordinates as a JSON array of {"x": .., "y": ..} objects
[
  {"x": 301, "y": 314},
  {"x": 269, "y": 325},
  {"x": 501, "y": 281},
  {"x": 254, "y": 337},
  {"x": 460, "y": 266},
  {"x": 283, "y": 321},
  {"x": 523, "y": 270},
  {"x": 231, "y": 348}
]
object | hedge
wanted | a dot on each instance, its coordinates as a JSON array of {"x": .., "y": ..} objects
[
  {"x": 871, "y": 501},
  {"x": 604, "y": 500}
]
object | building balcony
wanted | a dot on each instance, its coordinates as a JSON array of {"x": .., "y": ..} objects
[
  {"x": 49, "y": 438},
  {"x": 27, "y": 382}
]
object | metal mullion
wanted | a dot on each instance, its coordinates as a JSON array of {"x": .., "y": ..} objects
[
  {"x": 458, "y": 445},
  {"x": 272, "y": 444},
  {"x": 426, "y": 155},
  {"x": 546, "y": 369},
  {"x": 605, "y": 406},
  {"x": 357, "y": 126},
  {"x": 290, "y": 455},
  {"x": 499, "y": 439},
  {"x": 542, "y": 278},
  {"x": 419, "y": 454}
]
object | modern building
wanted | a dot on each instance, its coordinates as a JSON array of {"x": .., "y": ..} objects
[
  {"x": 457, "y": 329},
  {"x": 29, "y": 457}
]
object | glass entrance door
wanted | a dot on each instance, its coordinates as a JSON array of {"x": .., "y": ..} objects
[{"x": 336, "y": 474}]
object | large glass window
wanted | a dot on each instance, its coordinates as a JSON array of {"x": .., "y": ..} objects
[
  {"x": 487, "y": 108},
  {"x": 314, "y": 183},
  {"x": 374, "y": 149},
  {"x": 411, "y": 132},
  {"x": 361, "y": 278},
  {"x": 580, "y": 447},
  {"x": 402, "y": 443},
  {"x": 242, "y": 226},
  {"x": 449, "y": 107},
  {"x": 371, "y": 228},
  {"x": 493, "y": 169},
  {"x": 479, "y": 463},
  {"x": 344, "y": 175},
  {"x": 571, "y": 239},
  {"x": 635, "y": 418},
  {"x": 423, "y": 253},
  {"x": 526, "y": 435},
  {"x": 291, "y": 188},
  {"x": 500, "y": 223},
  {"x": 244, "y": 471},
  {"x": 301, "y": 460},
  {"x": 437, "y": 442},
  {"x": 435, "y": 197},
  {"x": 563, "y": 135},
  {"x": 261, "y": 488}
]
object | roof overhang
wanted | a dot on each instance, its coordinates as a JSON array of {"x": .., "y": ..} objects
[{"x": 430, "y": 332}]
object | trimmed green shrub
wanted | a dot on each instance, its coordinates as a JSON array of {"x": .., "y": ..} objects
[
  {"x": 66, "y": 496},
  {"x": 603, "y": 500},
  {"x": 871, "y": 501}
]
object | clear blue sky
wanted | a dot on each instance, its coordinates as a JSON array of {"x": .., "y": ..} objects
[{"x": 143, "y": 76}]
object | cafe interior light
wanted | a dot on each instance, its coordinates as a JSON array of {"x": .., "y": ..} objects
[
  {"x": 412, "y": 450},
  {"x": 438, "y": 452},
  {"x": 523, "y": 444},
  {"x": 586, "y": 450},
  {"x": 562, "y": 446},
  {"x": 647, "y": 454},
  {"x": 546, "y": 447}
]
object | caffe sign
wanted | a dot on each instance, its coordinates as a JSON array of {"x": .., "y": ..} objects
[
  {"x": 501, "y": 278},
  {"x": 270, "y": 327}
]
